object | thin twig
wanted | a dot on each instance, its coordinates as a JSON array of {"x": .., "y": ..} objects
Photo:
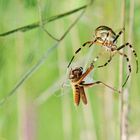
[
  {"x": 41, "y": 21},
  {"x": 125, "y": 96},
  {"x": 126, "y": 105},
  {"x": 43, "y": 59},
  {"x": 45, "y": 21},
  {"x": 49, "y": 92}
]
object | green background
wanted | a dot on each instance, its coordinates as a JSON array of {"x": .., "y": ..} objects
[{"x": 41, "y": 109}]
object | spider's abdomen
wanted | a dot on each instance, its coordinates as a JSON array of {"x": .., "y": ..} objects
[{"x": 104, "y": 33}]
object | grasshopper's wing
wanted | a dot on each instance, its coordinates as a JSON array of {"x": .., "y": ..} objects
[{"x": 83, "y": 95}]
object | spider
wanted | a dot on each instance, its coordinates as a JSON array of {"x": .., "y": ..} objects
[
  {"x": 107, "y": 38},
  {"x": 76, "y": 77}
]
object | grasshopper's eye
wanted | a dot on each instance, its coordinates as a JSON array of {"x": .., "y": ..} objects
[{"x": 81, "y": 68}]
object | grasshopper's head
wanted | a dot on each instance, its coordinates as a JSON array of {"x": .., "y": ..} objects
[{"x": 75, "y": 74}]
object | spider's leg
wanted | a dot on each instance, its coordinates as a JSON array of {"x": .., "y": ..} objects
[
  {"x": 79, "y": 49},
  {"x": 99, "y": 82},
  {"x": 108, "y": 61},
  {"x": 129, "y": 66},
  {"x": 88, "y": 42},
  {"x": 133, "y": 51},
  {"x": 117, "y": 36},
  {"x": 106, "y": 39}
]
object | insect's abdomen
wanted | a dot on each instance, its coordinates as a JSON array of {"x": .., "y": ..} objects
[{"x": 76, "y": 95}]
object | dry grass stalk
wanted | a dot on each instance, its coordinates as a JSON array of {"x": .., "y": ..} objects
[{"x": 125, "y": 96}]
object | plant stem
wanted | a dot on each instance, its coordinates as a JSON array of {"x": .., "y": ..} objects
[
  {"x": 125, "y": 95},
  {"x": 122, "y": 114}
]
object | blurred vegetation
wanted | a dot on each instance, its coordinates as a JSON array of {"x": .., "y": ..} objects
[{"x": 40, "y": 109}]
